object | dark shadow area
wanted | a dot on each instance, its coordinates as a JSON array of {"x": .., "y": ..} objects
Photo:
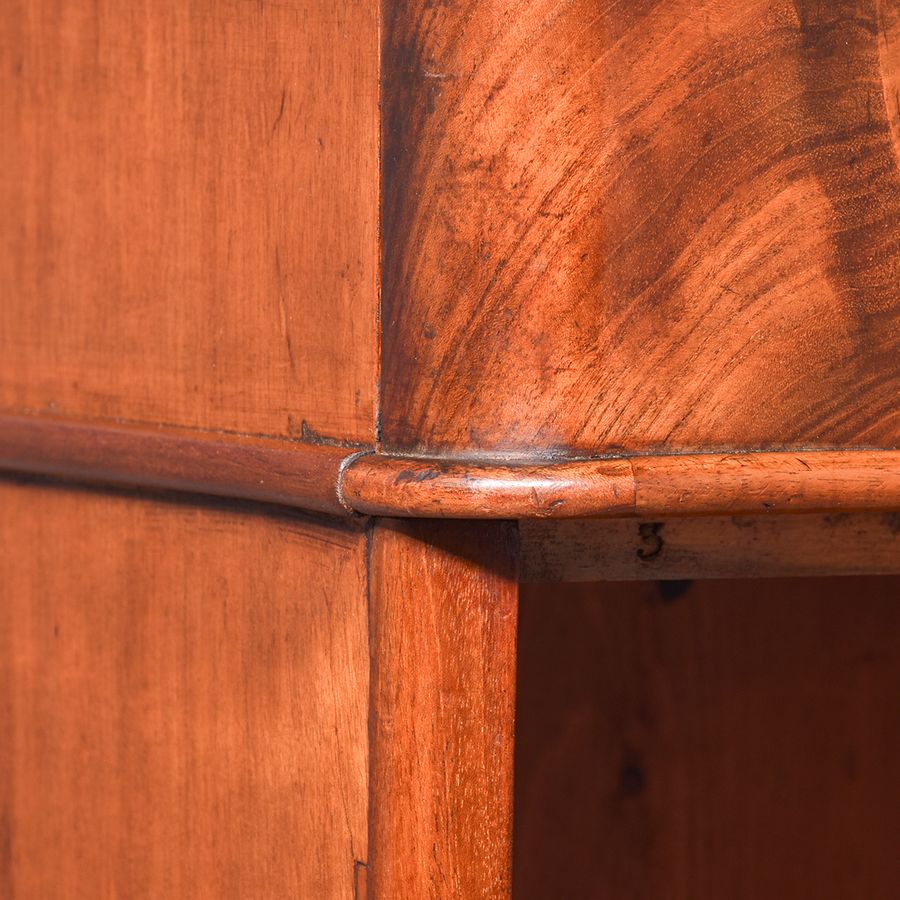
[
  {"x": 186, "y": 499},
  {"x": 709, "y": 740}
]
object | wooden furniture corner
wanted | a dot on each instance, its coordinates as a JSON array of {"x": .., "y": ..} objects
[{"x": 450, "y": 450}]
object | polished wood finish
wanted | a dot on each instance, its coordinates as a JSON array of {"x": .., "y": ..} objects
[
  {"x": 706, "y": 484},
  {"x": 190, "y": 213},
  {"x": 512, "y": 261},
  {"x": 767, "y": 482},
  {"x": 341, "y": 480},
  {"x": 653, "y": 226},
  {"x": 761, "y": 546},
  {"x": 292, "y": 473},
  {"x": 454, "y": 489},
  {"x": 716, "y": 740},
  {"x": 443, "y": 626},
  {"x": 183, "y": 692}
]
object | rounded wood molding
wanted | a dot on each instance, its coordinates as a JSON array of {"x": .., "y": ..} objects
[
  {"x": 345, "y": 481},
  {"x": 651, "y": 486},
  {"x": 268, "y": 470}
]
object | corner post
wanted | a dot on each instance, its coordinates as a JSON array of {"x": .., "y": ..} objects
[{"x": 443, "y": 615}]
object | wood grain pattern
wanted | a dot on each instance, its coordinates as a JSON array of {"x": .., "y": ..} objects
[
  {"x": 435, "y": 488},
  {"x": 709, "y": 484},
  {"x": 720, "y": 740},
  {"x": 767, "y": 482},
  {"x": 443, "y": 632},
  {"x": 710, "y": 547},
  {"x": 659, "y": 225},
  {"x": 291, "y": 473},
  {"x": 336, "y": 479},
  {"x": 183, "y": 693},
  {"x": 190, "y": 213}
]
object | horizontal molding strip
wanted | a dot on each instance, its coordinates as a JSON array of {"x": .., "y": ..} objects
[
  {"x": 648, "y": 487},
  {"x": 267, "y": 470},
  {"x": 339, "y": 481}
]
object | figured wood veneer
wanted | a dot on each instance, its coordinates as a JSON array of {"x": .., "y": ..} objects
[
  {"x": 612, "y": 235},
  {"x": 640, "y": 227}
]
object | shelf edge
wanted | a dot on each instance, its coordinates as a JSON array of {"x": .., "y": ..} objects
[
  {"x": 646, "y": 487},
  {"x": 267, "y": 470},
  {"x": 347, "y": 481}
]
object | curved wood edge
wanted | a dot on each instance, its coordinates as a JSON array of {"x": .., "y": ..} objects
[
  {"x": 339, "y": 481},
  {"x": 402, "y": 486},
  {"x": 266, "y": 470},
  {"x": 660, "y": 486}
]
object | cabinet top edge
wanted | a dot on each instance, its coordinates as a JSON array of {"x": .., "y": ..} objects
[
  {"x": 360, "y": 481},
  {"x": 644, "y": 487}
]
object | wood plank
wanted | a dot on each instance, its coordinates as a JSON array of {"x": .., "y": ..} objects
[
  {"x": 443, "y": 626},
  {"x": 711, "y": 547},
  {"x": 291, "y": 473},
  {"x": 190, "y": 213},
  {"x": 732, "y": 739},
  {"x": 641, "y": 227},
  {"x": 183, "y": 698}
]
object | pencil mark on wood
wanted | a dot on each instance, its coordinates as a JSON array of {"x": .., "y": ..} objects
[{"x": 649, "y": 533}]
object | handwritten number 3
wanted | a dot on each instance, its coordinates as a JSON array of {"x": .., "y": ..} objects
[{"x": 650, "y": 537}]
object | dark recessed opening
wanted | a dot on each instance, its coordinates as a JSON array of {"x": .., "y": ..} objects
[{"x": 731, "y": 739}]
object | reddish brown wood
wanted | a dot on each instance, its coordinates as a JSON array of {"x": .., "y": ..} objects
[
  {"x": 341, "y": 480},
  {"x": 404, "y": 486},
  {"x": 290, "y": 473},
  {"x": 183, "y": 694},
  {"x": 638, "y": 260},
  {"x": 443, "y": 632},
  {"x": 643, "y": 486},
  {"x": 767, "y": 482},
  {"x": 656, "y": 225},
  {"x": 760, "y": 546},
  {"x": 190, "y": 199},
  {"x": 722, "y": 739}
]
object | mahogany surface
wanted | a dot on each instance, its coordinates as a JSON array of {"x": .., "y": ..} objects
[
  {"x": 189, "y": 196},
  {"x": 443, "y": 636},
  {"x": 745, "y": 546},
  {"x": 661, "y": 225},
  {"x": 183, "y": 699},
  {"x": 696, "y": 484},
  {"x": 697, "y": 741},
  {"x": 292, "y": 473},
  {"x": 519, "y": 259},
  {"x": 337, "y": 478}
]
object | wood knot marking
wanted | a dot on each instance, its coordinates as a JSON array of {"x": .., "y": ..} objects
[
  {"x": 649, "y": 533},
  {"x": 673, "y": 590},
  {"x": 632, "y": 779}
]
